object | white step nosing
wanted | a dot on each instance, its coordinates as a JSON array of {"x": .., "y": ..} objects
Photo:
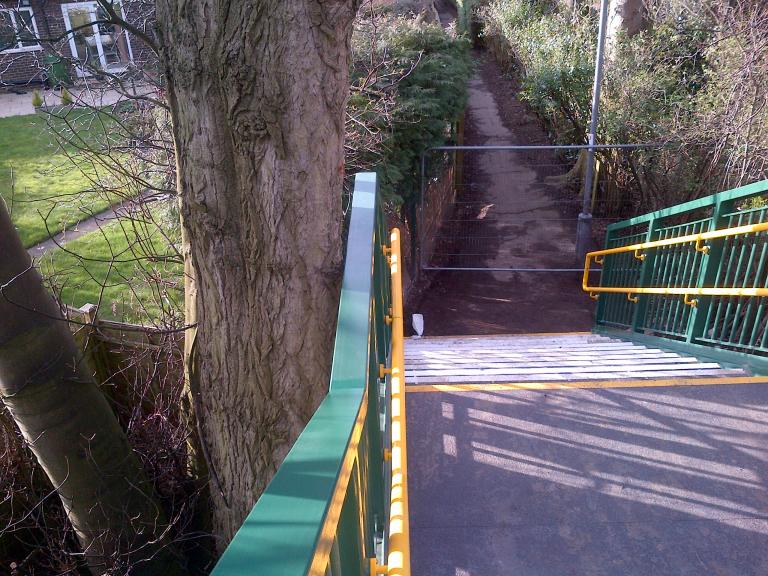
[
  {"x": 495, "y": 350},
  {"x": 521, "y": 341},
  {"x": 547, "y": 370},
  {"x": 519, "y": 337},
  {"x": 554, "y": 366},
  {"x": 511, "y": 357},
  {"x": 722, "y": 372},
  {"x": 410, "y": 350},
  {"x": 544, "y": 361}
]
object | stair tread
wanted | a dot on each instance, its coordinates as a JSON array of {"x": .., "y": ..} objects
[
  {"x": 627, "y": 367},
  {"x": 552, "y": 365},
  {"x": 561, "y": 377},
  {"x": 468, "y": 359},
  {"x": 409, "y": 351},
  {"x": 584, "y": 356}
]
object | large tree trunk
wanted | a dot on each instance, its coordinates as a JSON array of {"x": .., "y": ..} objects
[
  {"x": 69, "y": 425},
  {"x": 258, "y": 90},
  {"x": 624, "y": 16}
]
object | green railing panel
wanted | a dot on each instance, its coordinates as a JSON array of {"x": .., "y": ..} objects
[
  {"x": 734, "y": 328},
  {"x": 351, "y": 349},
  {"x": 619, "y": 270},
  {"x": 327, "y": 497},
  {"x": 280, "y": 534}
]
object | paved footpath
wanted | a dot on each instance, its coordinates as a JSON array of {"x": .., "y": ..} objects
[
  {"x": 20, "y": 104},
  {"x": 512, "y": 219}
]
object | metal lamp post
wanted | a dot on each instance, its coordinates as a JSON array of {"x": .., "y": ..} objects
[{"x": 584, "y": 227}]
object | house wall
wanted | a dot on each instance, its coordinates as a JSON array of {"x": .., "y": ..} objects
[
  {"x": 28, "y": 67},
  {"x": 22, "y": 67}
]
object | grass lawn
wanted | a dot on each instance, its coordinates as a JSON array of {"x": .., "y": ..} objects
[
  {"x": 37, "y": 177},
  {"x": 108, "y": 258}
]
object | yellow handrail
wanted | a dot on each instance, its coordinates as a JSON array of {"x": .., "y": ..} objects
[
  {"x": 598, "y": 255},
  {"x": 399, "y": 559}
]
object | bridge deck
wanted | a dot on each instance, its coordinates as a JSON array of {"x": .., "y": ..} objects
[{"x": 628, "y": 476}]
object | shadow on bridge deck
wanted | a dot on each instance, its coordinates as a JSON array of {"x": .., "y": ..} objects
[{"x": 611, "y": 481}]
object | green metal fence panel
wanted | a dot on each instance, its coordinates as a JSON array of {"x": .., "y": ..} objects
[
  {"x": 736, "y": 325},
  {"x": 619, "y": 270},
  {"x": 323, "y": 507}
]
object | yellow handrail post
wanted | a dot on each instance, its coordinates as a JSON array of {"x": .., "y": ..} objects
[{"x": 399, "y": 558}]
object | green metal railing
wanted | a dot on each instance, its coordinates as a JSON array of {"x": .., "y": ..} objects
[
  {"x": 325, "y": 510},
  {"x": 695, "y": 274}
]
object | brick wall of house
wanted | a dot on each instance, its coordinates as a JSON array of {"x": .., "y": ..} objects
[
  {"x": 141, "y": 15},
  {"x": 20, "y": 68},
  {"x": 23, "y": 67}
]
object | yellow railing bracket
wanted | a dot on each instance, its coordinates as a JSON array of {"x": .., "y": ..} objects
[
  {"x": 632, "y": 298},
  {"x": 387, "y": 454},
  {"x": 377, "y": 568},
  {"x": 383, "y": 371},
  {"x": 594, "y": 295},
  {"x": 599, "y": 260},
  {"x": 386, "y": 250},
  {"x": 639, "y": 255},
  {"x": 388, "y": 319},
  {"x": 692, "y": 302},
  {"x": 703, "y": 248}
]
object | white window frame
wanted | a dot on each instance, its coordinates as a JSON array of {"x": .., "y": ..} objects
[
  {"x": 19, "y": 48},
  {"x": 91, "y": 6}
]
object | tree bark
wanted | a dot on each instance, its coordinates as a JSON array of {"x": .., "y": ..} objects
[
  {"x": 257, "y": 90},
  {"x": 624, "y": 16},
  {"x": 70, "y": 427}
]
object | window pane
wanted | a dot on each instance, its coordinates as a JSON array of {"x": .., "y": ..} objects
[
  {"x": 26, "y": 30},
  {"x": 7, "y": 34}
]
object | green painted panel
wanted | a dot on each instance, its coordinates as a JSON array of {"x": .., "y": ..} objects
[
  {"x": 350, "y": 353},
  {"x": 731, "y": 324},
  {"x": 278, "y": 537}
]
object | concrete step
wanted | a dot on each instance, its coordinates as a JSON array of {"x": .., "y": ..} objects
[
  {"x": 578, "y": 376},
  {"x": 569, "y": 357},
  {"x": 454, "y": 359},
  {"x": 553, "y": 365}
]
